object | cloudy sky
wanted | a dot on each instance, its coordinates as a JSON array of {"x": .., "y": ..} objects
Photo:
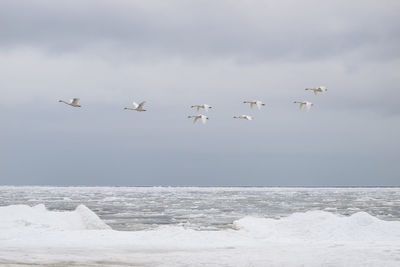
[{"x": 178, "y": 53}]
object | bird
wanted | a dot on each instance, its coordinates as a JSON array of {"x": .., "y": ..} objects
[
  {"x": 318, "y": 89},
  {"x": 304, "y": 103},
  {"x": 203, "y": 118},
  {"x": 137, "y": 107},
  {"x": 258, "y": 103},
  {"x": 245, "y": 117},
  {"x": 198, "y": 107},
  {"x": 73, "y": 102}
]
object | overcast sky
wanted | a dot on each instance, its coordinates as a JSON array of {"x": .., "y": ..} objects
[{"x": 174, "y": 54}]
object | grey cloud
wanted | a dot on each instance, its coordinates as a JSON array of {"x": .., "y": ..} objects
[{"x": 256, "y": 31}]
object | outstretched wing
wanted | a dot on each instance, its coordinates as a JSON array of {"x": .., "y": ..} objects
[
  {"x": 315, "y": 92},
  {"x": 196, "y": 119},
  {"x": 301, "y": 106},
  {"x": 75, "y": 101},
  {"x": 251, "y": 105},
  {"x": 141, "y": 105},
  {"x": 258, "y": 103},
  {"x": 206, "y": 107},
  {"x": 203, "y": 119},
  {"x": 135, "y": 104},
  {"x": 308, "y": 106}
]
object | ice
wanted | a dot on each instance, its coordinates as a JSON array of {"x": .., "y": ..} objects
[
  {"x": 112, "y": 199},
  {"x": 22, "y": 216},
  {"x": 321, "y": 226},
  {"x": 38, "y": 236},
  {"x": 140, "y": 208}
]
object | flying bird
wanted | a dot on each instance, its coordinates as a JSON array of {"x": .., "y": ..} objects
[
  {"x": 137, "y": 107},
  {"x": 203, "y": 118},
  {"x": 244, "y": 117},
  {"x": 304, "y": 103},
  {"x": 318, "y": 89},
  {"x": 198, "y": 107},
  {"x": 73, "y": 102},
  {"x": 257, "y": 103}
]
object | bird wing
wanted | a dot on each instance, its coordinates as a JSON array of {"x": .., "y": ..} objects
[
  {"x": 206, "y": 107},
  {"x": 141, "y": 105},
  {"x": 251, "y": 105},
  {"x": 315, "y": 92},
  {"x": 135, "y": 104},
  {"x": 308, "y": 106},
  {"x": 301, "y": 106},
  {"x": 74, "y": 101},
  {"x": 249, "y": 118},
  {"x": 203, "y": 119},
  {"x": 196, "y": 119},
  {"x": 198, "y": 108},
  {"x": 258, "y": 103}
]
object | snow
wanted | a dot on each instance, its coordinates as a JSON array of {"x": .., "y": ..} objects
[
  {"x": 35, "y": 235},
  {"x": 321, "y": 226},
  {"x": 38, "y": 217}
]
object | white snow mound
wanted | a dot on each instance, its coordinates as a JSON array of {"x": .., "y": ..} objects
[
  {"x": 38, "y": 217},
  {"x": 320, "y": 225}
]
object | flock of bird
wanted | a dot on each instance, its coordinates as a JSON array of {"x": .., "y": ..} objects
[{"x": 203, "y": 118}]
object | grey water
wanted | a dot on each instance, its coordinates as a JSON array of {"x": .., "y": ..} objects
[{"x": 203, "y": 208}]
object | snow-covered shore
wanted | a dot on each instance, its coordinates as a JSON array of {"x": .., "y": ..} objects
[{"x": 36, "y": 236}]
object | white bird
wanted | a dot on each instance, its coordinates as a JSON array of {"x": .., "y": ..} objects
[
  {"x": 73, "y": 102},
  {"x": 137, "y": 107},
  {"x": 258, "y": 103},
  {"x": 198, "y": 107},
  {"x": 318, "y": 89},
  {"x": 304, "y": 103},
  {"x": 203, "y": 118},
  {"x": 245, "y": 117}
]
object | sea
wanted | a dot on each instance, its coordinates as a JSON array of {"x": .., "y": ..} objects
[{"x": 204, "y": 208}]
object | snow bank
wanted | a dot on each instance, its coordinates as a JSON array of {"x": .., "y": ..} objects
[
  {"x": 38, "y": 217},
  {"x": 321, "y": 225},
  {"x": 37, "y": 236},
  {"x": 312, "y": 225}
]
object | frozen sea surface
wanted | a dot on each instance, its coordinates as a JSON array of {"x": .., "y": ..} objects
[
  {"x": 108, "y": 226},
  {"x": 204, "y": 208}
]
